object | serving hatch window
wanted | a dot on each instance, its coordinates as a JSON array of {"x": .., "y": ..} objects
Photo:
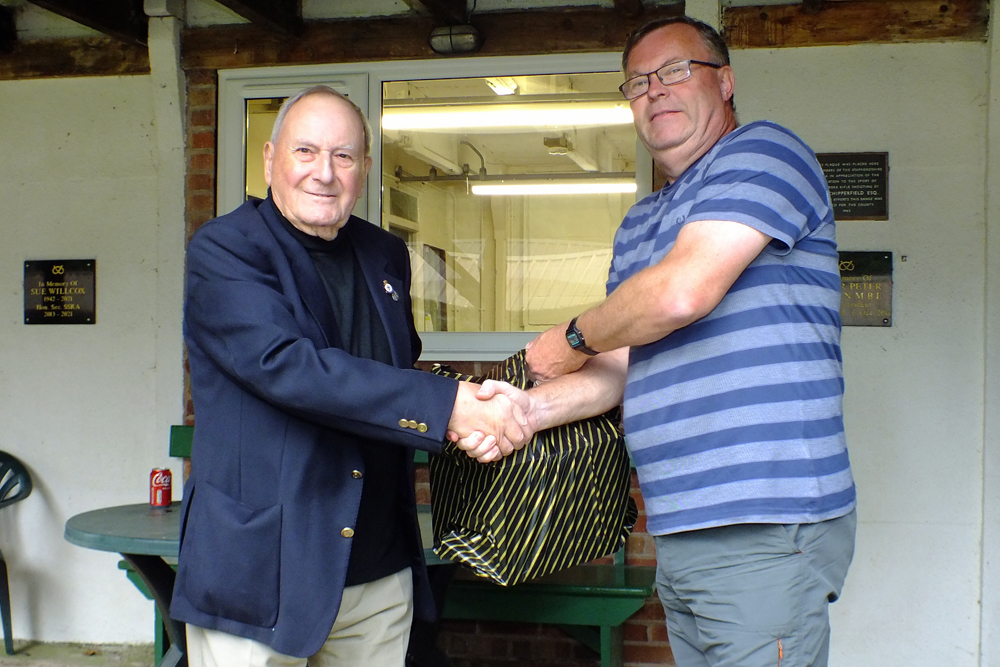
[{"x": 507, "y": 191}]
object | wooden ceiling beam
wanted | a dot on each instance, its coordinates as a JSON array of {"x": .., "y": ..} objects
[
  {"x": 8, "y": 30},
  {"x": 516, "y": 33},
  {"x": 856, "y": 22},
  {"x": 283, "y": 16},
  {"x": 446, "y": 12},
  {"x": 630, "y": 8},
  {"x": 89, "y": 56},
  {"x": 121, "y": 19},
  {"x": 504, "y": 33}
]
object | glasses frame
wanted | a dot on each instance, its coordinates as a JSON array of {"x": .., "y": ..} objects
[{"x": 657, "y": 71}]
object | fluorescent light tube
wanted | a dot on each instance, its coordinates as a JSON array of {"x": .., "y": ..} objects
[
  {"x": 538, "y": 114},
  {"x": 502, "y": 85},
  {"x": 578, "y": 188}
]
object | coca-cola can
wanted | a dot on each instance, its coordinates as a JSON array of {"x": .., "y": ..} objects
[{"x": 160, "y": 494}]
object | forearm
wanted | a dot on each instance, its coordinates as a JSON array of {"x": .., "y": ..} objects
[
  {"x": 592, "y": 390},
  {"x": 684, "y": 286},
  {"x": 642, "y": 310}
]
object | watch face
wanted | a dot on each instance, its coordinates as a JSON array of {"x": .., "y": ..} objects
[{"x": 575, "y": 339}]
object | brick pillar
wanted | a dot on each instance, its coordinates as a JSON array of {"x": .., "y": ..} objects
[
  {"x": 201, "y": 132},
  {"x": 199, "y": 184}
]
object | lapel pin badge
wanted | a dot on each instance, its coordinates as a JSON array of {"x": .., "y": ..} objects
[{"x": 388, "y": 290}]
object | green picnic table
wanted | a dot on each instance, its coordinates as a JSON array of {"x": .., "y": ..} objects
[{"x": 145, "y": 537}]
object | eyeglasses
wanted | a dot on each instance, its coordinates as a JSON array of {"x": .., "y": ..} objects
[{"x": 668, "y": 75}]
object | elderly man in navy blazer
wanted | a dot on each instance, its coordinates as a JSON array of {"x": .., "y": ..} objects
[{"x": 300, "y": 543}]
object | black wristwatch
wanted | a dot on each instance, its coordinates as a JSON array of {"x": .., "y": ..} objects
[{"x": 575, "y": 339}]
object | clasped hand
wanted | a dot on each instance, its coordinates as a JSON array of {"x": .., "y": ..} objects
[{"x": 490, "y": 421}]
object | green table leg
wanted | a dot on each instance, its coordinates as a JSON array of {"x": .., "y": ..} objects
[
  {"x": 161, "y": 642},
  {"x": 612, "y": 646}
]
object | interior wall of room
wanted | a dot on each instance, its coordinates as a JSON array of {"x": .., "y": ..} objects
[
  {"x": 85, "y": 406},
  {"x": 914, "y": 400}
]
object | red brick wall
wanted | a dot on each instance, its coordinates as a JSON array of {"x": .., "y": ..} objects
[
  {"x": 199, "y": 193},
  {"x": 199, "y": 181},
  {"x": 469, "y": 644}
]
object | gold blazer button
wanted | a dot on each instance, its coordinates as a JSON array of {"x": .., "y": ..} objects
[
  {"x": 411, "y": 424},
  {"x": 356, "y": 474},
  {"x": 404, "y": 423},
  {"x": 347, "y": 532},
  {"x": 422, "y": 427}
]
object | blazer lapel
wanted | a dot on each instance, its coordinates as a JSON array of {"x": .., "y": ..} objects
[
  {"x": 310, "y": 286},
  {"x": 387, "y": 290}
]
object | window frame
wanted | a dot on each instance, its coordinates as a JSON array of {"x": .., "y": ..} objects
[{"x": 364, "y": 81}]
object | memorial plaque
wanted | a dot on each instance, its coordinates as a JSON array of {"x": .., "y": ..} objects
[
  {"x": 60, "y": 291},
  {"x": 859, "y": 184},
  {"x": 866, "y": 289}
]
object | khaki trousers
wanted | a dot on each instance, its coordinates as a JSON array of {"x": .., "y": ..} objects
[
  {"x": 372, "y": 629},
  {"x": 753, "y": 595}
]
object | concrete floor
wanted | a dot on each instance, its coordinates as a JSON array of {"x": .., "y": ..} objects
[{"x": 34, "y": 654}]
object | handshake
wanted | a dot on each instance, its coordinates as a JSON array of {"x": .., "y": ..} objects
[{"x": 491, "y": 420}]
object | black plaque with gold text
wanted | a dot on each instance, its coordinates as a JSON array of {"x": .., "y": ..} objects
[
  {"x": 859, "y": 184},
  {"x": 866, "y": 289},
  {"x": 60, "y": 291}
]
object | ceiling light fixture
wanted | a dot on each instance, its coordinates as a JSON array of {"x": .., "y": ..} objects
[
  {"x": 502, "y": 85},
  {"x": 453, "y": 39}
]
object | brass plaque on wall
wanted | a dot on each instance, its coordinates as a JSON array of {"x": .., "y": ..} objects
[
  {"x": 60, "y": 291},
  {"x": 859, "y": 184},
  {"x": 866, "y": 289}
]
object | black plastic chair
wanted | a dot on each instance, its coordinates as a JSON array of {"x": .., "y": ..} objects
[{"x": 15, "y": 485}]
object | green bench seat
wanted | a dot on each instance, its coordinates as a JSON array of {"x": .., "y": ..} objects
[
  {"x": 589, "y": 602},
  {"x": 181, "y": 436}
]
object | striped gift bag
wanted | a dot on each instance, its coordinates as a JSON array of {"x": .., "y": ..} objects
[{"x": 561, "y": 500}]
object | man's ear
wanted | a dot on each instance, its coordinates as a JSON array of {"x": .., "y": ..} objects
[
  {"x": 727, "y": 82},
  {"x": 368, "y": 165},
  {"x": 268, "y": 156}
]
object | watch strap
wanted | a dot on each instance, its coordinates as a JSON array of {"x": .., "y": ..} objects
[{"x": 575, "y": 339}]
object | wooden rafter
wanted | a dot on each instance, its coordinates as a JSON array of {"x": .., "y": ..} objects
[
  {"x": 515, "y": 33},
  {"x": 447, "y": 12},
  {"x": 284, "y": 16},
  {"x": 88, "y": 56},
  {"x": 8, "y": 30},
  {"x": 855, "y": 22},
  {"x": 121, "y": 19},
  {"x": 504, "y": 33},
  {"x": 629, "y": 8}
]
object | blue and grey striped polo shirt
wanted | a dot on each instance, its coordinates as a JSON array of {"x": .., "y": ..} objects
[{"x": 738, "y": 417}]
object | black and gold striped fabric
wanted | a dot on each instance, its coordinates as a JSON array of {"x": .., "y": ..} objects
[{"x": 563, "y": 499}]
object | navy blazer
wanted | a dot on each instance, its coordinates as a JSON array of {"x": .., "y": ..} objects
[{"x": 281, "y": 415}]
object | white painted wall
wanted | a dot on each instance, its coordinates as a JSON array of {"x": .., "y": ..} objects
[
  {"x": 84, "y": 406},
  {"x": 914, "y": 403}
]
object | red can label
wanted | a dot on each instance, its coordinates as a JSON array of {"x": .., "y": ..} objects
[{"x": 160, "y": 494}]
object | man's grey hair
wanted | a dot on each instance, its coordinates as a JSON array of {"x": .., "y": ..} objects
[
  {"x": 710, "y": 37},
  {"x": 322, "y": 89}
]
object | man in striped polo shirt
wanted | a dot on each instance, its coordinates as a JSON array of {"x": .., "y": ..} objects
[{"x": 724, "y": 288}]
